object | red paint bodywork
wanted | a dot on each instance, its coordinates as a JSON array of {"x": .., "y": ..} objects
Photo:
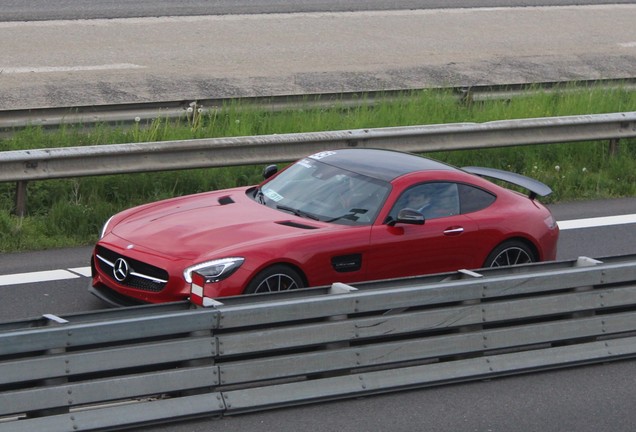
[{"x": 175, "y": 233}]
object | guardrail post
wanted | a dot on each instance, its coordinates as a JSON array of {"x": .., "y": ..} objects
[
  {"x": 198, "y": 300},
  {"x": 53, "y": 320},
  {"x": 614, "y": 146},
  {"x": 466, "y": 96},
  {"x": 337, "y": 288},
  {"x": 20, "y": 198},
  {"x": 468, "y": 274},
  {"x": 584, "y": 262}
]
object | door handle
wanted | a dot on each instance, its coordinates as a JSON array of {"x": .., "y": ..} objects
[{"x": 453, "y": 231}]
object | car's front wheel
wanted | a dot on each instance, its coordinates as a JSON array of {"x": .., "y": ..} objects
[
  {"x": 275, "y": 278},
  {"x": 510, "y": 253}
]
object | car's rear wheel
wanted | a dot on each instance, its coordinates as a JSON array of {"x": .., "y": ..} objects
[
  {"x": 275, "y": 278},
  {"x": 510, "y": 253}
]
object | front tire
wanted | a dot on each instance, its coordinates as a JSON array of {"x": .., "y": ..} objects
[
  {"x": 275, "y": 278},
  {"x": 510, "y": 253}
]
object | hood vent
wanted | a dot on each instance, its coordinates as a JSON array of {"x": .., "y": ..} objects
[
  {"x": 296, "y": 225},
  {"x": 226, "y": 200}
]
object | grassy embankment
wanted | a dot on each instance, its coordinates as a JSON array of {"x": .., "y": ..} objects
[{"x": 70, "y": 212}]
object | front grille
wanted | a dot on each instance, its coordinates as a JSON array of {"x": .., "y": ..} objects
[{"x": 140, "y": 275}]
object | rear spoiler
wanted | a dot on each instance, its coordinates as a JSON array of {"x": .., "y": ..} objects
[{"x": 534, "y": 186}]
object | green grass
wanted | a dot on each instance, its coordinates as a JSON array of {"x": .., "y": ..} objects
[{"x": 70, "y": 212}]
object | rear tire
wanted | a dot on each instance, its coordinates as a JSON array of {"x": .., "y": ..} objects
[
  {"x": 510, "y": 253},
  {"x": 275, "y": 278}
]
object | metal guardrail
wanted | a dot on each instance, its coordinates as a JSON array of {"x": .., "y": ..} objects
[
  {"x": 65, "y": 162},
  {"x": 153, "y": 364},
  {"x": 39, "y": 164},
  {"x": 123, "y": 114}
]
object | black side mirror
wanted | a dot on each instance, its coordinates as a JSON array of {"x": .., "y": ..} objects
[
  {"x": 410, "y": 216},
  {"x": 269, "y": 171}
]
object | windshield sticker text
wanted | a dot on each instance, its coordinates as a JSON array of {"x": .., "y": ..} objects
[
  {"x": 272, "y": 195},
  {"x": 306, "y": 163},
  {"x": 322, "y": 155}
]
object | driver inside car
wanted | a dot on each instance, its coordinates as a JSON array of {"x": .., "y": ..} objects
[{"x": 418, "y": 200}]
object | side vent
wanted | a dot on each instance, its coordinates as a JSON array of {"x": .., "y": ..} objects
[
  {"x": 347, "y": 263},
  {"x": 226, "y": 200}
]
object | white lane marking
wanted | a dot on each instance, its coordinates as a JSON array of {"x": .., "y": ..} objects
[
  {"x": 82, "y": 271},
  {"x": 597, "y": 222},
  {"x": 50, "y": 69},
  {"x": 76, "y": 272},
  {"x": 627, "y": 45},
  {"x": 40, "y": 276}
]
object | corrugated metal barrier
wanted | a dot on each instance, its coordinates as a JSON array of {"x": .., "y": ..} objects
[{"x": 152, "y": 364}]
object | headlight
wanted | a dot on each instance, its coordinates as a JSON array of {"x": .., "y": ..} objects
[
  {"x": 215, "y": 270},
  {"x": 105, "y": 227}
]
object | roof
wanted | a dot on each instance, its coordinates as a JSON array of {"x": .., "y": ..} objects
[{"x": 381, "y": 164}]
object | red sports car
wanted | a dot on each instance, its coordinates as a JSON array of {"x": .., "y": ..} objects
[{"x": 337, "y": 216}]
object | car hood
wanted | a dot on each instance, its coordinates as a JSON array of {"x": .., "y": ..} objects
[{"x": 198, "y": 225}]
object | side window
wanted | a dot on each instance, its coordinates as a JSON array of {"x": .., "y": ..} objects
[
  {"x": 473, "y": 199},
  {"x": 433, "y": 200}
]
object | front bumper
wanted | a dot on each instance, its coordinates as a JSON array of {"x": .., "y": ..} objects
[{"x": 111, "y": 297}]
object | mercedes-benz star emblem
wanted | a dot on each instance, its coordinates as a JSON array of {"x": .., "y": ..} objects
[{"x": 120, "y": 269}]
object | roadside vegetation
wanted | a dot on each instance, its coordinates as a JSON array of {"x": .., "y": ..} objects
[{"x": 70, "y": 212}]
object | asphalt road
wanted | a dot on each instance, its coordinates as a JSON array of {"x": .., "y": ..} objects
[
  {"x": 144, "y": 59},
  {"x": 40, "y": 282},
  {"x": 19, "y": 10}
]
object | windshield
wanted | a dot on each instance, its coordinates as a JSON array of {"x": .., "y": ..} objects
[{"x": 319, "y": 191}]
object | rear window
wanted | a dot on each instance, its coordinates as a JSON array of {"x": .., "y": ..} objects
[{"x": 472, "y": 199}]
